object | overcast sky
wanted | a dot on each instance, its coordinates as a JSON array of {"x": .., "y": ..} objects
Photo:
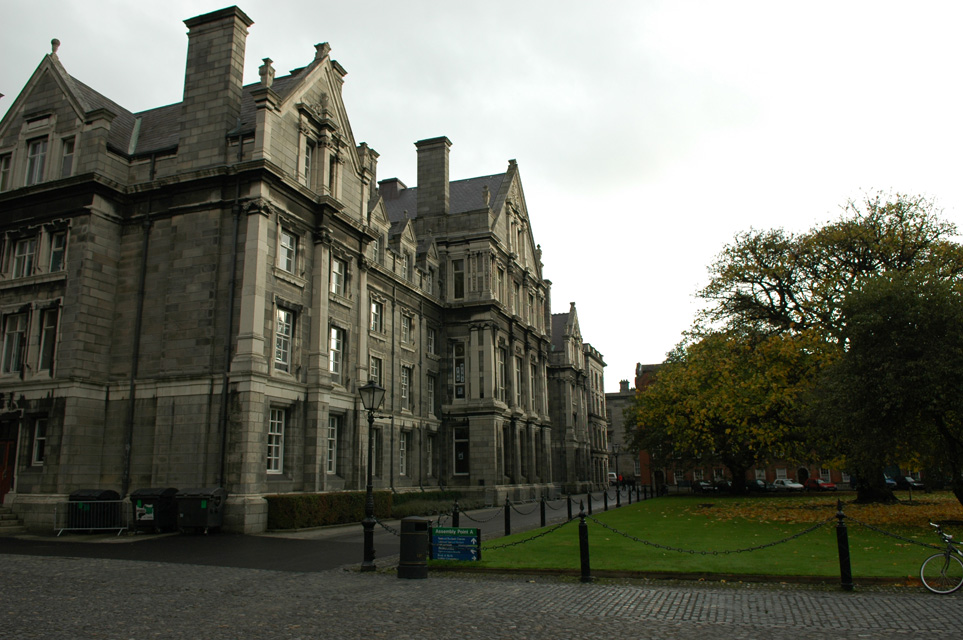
[{"x": 647, "y": 133}]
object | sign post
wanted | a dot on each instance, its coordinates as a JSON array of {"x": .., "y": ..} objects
[{"x": 455, "y": 543}]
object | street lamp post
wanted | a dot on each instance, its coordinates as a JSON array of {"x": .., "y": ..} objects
[{"x": 372, "y": 395}]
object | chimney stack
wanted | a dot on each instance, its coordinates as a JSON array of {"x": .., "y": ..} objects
[
  {"x": 212, "y": 86},
  {"x": 433, "y": 176}
]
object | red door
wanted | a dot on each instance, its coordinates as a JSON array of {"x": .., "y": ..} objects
[{"x": 6, "y": 467}]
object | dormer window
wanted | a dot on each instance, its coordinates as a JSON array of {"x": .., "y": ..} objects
[
  {"x": 5, "y": 165},
  {"x": 67, "y": 163},
  {"x": 36, "y": 159},
  {"x": 308, "y": 163}
]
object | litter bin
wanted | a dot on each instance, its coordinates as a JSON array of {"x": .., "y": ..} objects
[
  {"x": 200, "y": 509},
  {"x": 90, "y": 509},
  {"x": 413, "y": 563},
  {"x": 154, "y": 509}
]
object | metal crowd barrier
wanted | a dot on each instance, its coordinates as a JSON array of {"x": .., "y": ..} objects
[{"x": 99, "y": 515}]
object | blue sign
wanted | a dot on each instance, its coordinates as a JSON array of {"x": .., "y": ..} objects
[{"x": 455, "y": 543}]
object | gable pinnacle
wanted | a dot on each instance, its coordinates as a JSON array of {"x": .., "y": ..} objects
[{"x": 54, "y": 45}]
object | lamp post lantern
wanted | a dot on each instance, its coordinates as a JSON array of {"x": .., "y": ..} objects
[{"x": 372, "y": 395}]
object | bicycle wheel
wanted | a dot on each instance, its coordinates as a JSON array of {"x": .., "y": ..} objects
[{"x": 942, "y": 573}]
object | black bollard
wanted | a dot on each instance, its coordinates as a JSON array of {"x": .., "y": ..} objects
[
  {"x": 508, "y": 517},
  {"x": 569, "y": 498},
  {"x": 629, "y": 494},
  {"x": 605, "y": 500},
  {"x": 583, "y": 547},
  {"x": 542, "y": 507},
  {"x": 842, "y": 544},
  {"x": 454, "y": 515},
  {"x": 588, "y": 498},
  {"x": 618, "y": 495}
]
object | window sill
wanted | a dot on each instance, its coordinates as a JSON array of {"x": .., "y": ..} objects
[
  {"x": 341, "y": 300},
  {"x": 39, "y": 278},
  {"x": 289, "y": 277}
]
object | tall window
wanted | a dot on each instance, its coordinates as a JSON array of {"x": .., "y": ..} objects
[
  {"x": 458, "y": 278},
  {"x": 430, "y": 341},
  {"x": 426, "y": 281},
  {"x": 36, "y": 158},
  {"x": 14, "y": 331},
  {"x": 500, "y": 374},
  {"x": 405, "y": 329},
  {"x": 375, "y": 371},
  {"x": 458, "y": 367},
  {"x": 288, "y": 251},
  {"x": 404, "y": 446},
  {"x": 531, "y": 387},
  {"x": 430, "y": 456},
  {"x": 430, "y": 393},
  {"x": 516, "y": 289},
  {"x": 67, "y": 160},
  {"x": 308, "y": 158},
  {"x": 377, "y": 316},
  {"x": 518, "y": 381},
  {"x": 48, "y": 338},
  {"x": 333, "y": 438},
  {"x": 336, "y": 353},
  {"x": 461, "y": 450},
  {"x": 377, "y": 253},
  {"x": 6, "y": 161},
  {"x": 39, "y": 442},
  {"x": 338, "y": 270},
  {"x": 275, "y": 440},
  {"x": 23, "y": 254},
  {"x": 406, "y": 387},
  {"x": 500, "y": 287},
  {"x": 406, "y": 266},
  {"x": 282, "y": 340},
  {"x": 531, "y": 309},
  {"x": 58, "y": 250}
]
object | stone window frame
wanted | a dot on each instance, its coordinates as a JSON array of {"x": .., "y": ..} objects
[
  {"x": 334, "y": 433},
  {"x": 277, "y": 425}
]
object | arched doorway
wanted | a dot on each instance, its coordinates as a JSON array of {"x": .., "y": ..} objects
[{"x": 802, "y": 474}]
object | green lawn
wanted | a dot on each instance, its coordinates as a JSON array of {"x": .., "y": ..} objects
[{"x": 712, "y": 525}]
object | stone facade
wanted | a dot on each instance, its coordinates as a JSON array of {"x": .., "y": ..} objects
[
  {"x": 192, "y": 295},
  {"x": 580, "y": 424}
]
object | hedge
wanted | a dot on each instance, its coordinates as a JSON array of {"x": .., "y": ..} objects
[{"x": 305, "y": 510}]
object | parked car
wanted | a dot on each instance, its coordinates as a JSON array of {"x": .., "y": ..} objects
[
  {"x": 786, "y": 484},
  {"x": 722, "y": 485},
  {"x": 701, "y": 486},
  {"x": 815, "y": 484},
  {"x": 760, "y": 486},
  {"x": 613, "y": 478},
  {"x": 908, "y": 482}
]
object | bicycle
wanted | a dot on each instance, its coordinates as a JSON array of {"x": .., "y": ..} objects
[{"x": 942, "y": 572}]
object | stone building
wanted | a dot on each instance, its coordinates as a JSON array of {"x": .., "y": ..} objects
[
  {"x": 580, "y": 425},
  {"x": 622, "y": 459},
  {"x": 193, "y": 294}
]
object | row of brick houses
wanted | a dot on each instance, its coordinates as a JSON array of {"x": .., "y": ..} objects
[{"x": 192, "y": 295}]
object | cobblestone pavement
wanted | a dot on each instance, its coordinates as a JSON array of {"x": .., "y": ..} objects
[{"x": 63, "y": 597}]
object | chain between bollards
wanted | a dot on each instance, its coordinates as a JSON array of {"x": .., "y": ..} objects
[{"x": 842, "y": 545}]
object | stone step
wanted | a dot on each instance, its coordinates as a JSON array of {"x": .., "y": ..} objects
[
  {"x": 12, "y": 531},
  {"x": 7, "y": 516}
]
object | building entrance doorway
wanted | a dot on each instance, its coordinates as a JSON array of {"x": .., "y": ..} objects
[{"x": 7, "y": 458}]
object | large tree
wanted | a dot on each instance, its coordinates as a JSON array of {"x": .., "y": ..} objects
[
  {"x": 728, "y": 398},
  {"x": 896, "y": 394},
  {"x": 775, "y": 281},
  {"x": 780, "y": 283}
]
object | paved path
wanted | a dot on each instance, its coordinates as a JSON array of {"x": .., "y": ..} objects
[
  {"x": 305, "y": 585},
  {"x": 57, "y": 597}
]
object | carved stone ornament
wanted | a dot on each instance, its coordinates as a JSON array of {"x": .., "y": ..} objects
[{"x": 260, "y": 205}]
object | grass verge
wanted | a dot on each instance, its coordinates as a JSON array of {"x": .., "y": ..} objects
[{"x": 716, "y": 528}]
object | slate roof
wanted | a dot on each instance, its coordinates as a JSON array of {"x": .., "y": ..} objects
[
  {"x": 464, "y": 195},
  {"x": 160, "y": 126}
]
